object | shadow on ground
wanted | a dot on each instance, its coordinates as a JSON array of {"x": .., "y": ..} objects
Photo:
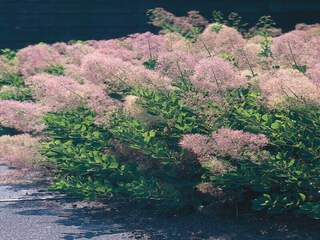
[{"x": 124, "y": 221}]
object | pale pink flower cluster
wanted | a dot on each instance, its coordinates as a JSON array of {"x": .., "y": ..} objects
[
  {"x": 60, "y": 47},
  {"x": 37, "y": 58},
  {"x": 289, "y": 47},
  {"x": 213, "y": 152},
  {"x": 314, "y": 74},
  {"x": 9, "y": 89},
  {"x": 22, "y": 116},
  {"x": 177, "y": 64},
  {"x": 247, "y": 57},
  {"x": 204, "y": 149},
  {"x": 103, "y": 69},
  {"x": 114, "y": 73},
  {"x": 311, "y": 54},
  {"x": 200, "y": 145},
  {"x": 227, "y": 40},
  {"x": 140, "y": 76},
  {"x": 216, "y": 75},
  {"x": 176, "y": 42},
  {"x": 215, "y": 62},
  {"x": 146, "y": 45},
  {"x": 234, "y": 143},
  {"x": 76, "y": 52},
  {"x": 287, "y": 84},
  {"x": 74, "y": 71},
  {"x": 21, "y": 151},
  {"x": 116, "y": 48},
  {"x": 59, "y": 92},
  {"x": 311, "y": 30}
]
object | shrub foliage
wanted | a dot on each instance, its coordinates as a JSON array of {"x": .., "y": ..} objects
[{"x": 197, "y": 115}]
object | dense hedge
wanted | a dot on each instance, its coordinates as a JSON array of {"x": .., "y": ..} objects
[{"x": 198, "y": 115}]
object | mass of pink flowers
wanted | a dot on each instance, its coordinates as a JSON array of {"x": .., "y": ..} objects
[
  {"x": 233, "y": 143},
  {"x": 37, "y": 58},
  {"x": 216, "y": 75},
  {"x": 286, "y": 84},
  {"x": 215, "y": 62},
  {"x": 22, "y": 116},
  {"x": 225, "y": 143},
  {"x": 59, "y": 92},
  {"x": 20, "y": 151}
]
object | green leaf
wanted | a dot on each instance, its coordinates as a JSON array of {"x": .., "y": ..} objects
[
  {"x": 275, "y": 125},
  {"x": 302, "y": 196},
  {"x": 113, "y": 165}
]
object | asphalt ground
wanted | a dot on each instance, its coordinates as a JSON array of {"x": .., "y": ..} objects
[{"x": 29, "y": 212}]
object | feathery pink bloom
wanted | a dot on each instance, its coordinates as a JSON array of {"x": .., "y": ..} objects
[
  {"x": 22, "y": 116},
  {"x": 60, "y": 47},
  {"x": 2, "y": 67},
  {"x": 288, "y": 83},
  {"x": 59, "y": 92},
  {"x": 140, "y": 76},
  {"x": 73, "y": 71},
  {"x": 227, "y": 40},
  {"x": 116, "y": 48},
  {"x": 234, "y": 143},
  {"x": 247, "y": 57},
  {"x": 204, "y": 149},
  {"x": 314, "y": 74},
  {"x": 311, "y": 55},
  {"x": 145, "y": 45},
  {"x": 20, "y": 151},
  {"x": 289, "y": 47},
  {"x": 200, "y": 145},
  {"x": 175, "y": 42},
  {"x": 100, "y": 69},
  {"x": 114, "y": 72},
  {"x": 37, "y": 58},
  {"x": 224, "y": 143},
  {"x": 176, "y": 63},
  {"x": 311, "y": 30},
  {"x": 216, "y": 75},
  {"x": 76, "y": 52}
]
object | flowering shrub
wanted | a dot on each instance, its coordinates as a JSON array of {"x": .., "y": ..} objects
[
  {"x": 187, "y": 26},
  {"x": 117, "y": 75},
  {"x": 197, "y": 114},
  {"x": 59, "y": 92},
  {"x": 286, "y": 182},
  {"x": 225, "y": 143},
  {"x": 216, "y": 76},
  {"x": 288, "y": 84},
  {"x": 34, "y": 59},
  {"x": 176, "y": 64},
  {"x": 22, "y": 116},
  {"x": 20, "y": 151},
  {"x": 227, "y": 40}
]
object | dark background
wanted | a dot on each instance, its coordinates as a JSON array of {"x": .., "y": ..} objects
[{"x": 23, "y": 22}]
